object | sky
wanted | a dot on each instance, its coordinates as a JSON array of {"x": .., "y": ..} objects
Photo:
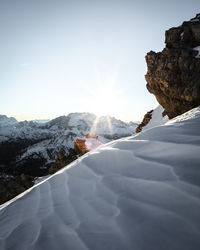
[{"x": 63, "y": 56}]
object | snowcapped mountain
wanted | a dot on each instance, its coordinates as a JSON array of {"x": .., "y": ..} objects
[
  {"x": 106, "y": 126},
  {"x": 30, "y": 146},
  {"x": 4, "y": 120},
  {"x": 140, "y": 192}
]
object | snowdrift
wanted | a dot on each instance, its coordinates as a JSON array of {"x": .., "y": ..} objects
[{"x": 140, "y": 193}]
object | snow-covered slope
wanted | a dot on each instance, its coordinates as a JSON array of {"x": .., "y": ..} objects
[
  {"x": 157, "y": 118},
  {"x": 136, "y": 193},
  {"x": 152, "y": 119}
]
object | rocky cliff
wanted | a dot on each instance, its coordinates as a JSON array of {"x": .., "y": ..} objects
[{"x": 173, "y": 75}]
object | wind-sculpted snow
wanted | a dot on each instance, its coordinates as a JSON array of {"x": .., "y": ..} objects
[{"x": 138, "y": 193}]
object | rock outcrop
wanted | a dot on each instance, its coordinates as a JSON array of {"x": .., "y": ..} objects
[
  {"x": 174, "y": 74},
  {"x": 145, "y": 121}
]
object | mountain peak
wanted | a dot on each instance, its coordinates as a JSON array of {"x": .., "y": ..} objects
[{"x": 4, "y": 118}]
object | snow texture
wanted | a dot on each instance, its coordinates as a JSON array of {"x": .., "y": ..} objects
[{"x": 137, "y": 193}]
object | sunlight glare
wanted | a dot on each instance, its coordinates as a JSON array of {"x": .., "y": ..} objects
[
  {"x": 93, "y": 128},
  {"x": 103, "y": 100}
]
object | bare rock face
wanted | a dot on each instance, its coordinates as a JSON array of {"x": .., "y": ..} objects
[
  {"x": 145, "y": 121},
  {"x": 173, "y": 75}
]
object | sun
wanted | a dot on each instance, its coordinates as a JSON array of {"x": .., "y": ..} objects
[{"x": 103, "y": 100}]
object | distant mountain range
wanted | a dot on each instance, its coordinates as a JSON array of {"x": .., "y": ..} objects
[
  {"x": 41, "y": 142},
  {"x": 40, "y": 148}
]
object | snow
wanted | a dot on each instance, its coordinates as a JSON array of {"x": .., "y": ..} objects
[
  {"x": 41, "y": 120},
  {"x": 40, "y": 179},
  {"x": 182, "y": 34},
  {"x": 197, "y": 49},
  {"x": 141, "y": 192},
  {"x": 157, "y": 118}
]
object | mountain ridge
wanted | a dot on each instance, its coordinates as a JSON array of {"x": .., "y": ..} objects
[{"x": 30, "y": 149}]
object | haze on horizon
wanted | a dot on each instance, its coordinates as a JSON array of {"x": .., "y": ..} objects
[{"x": 62, "y": 56}]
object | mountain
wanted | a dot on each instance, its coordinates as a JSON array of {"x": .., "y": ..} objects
[
  {"x": 41, "y": 142},
  {"x": 140, "y": 192},
  {"x": 33, "y": 149},
  {"x": 4, "y": 120}
]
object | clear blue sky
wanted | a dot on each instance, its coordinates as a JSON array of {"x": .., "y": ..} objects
[{"x": 62, "y": 56}]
